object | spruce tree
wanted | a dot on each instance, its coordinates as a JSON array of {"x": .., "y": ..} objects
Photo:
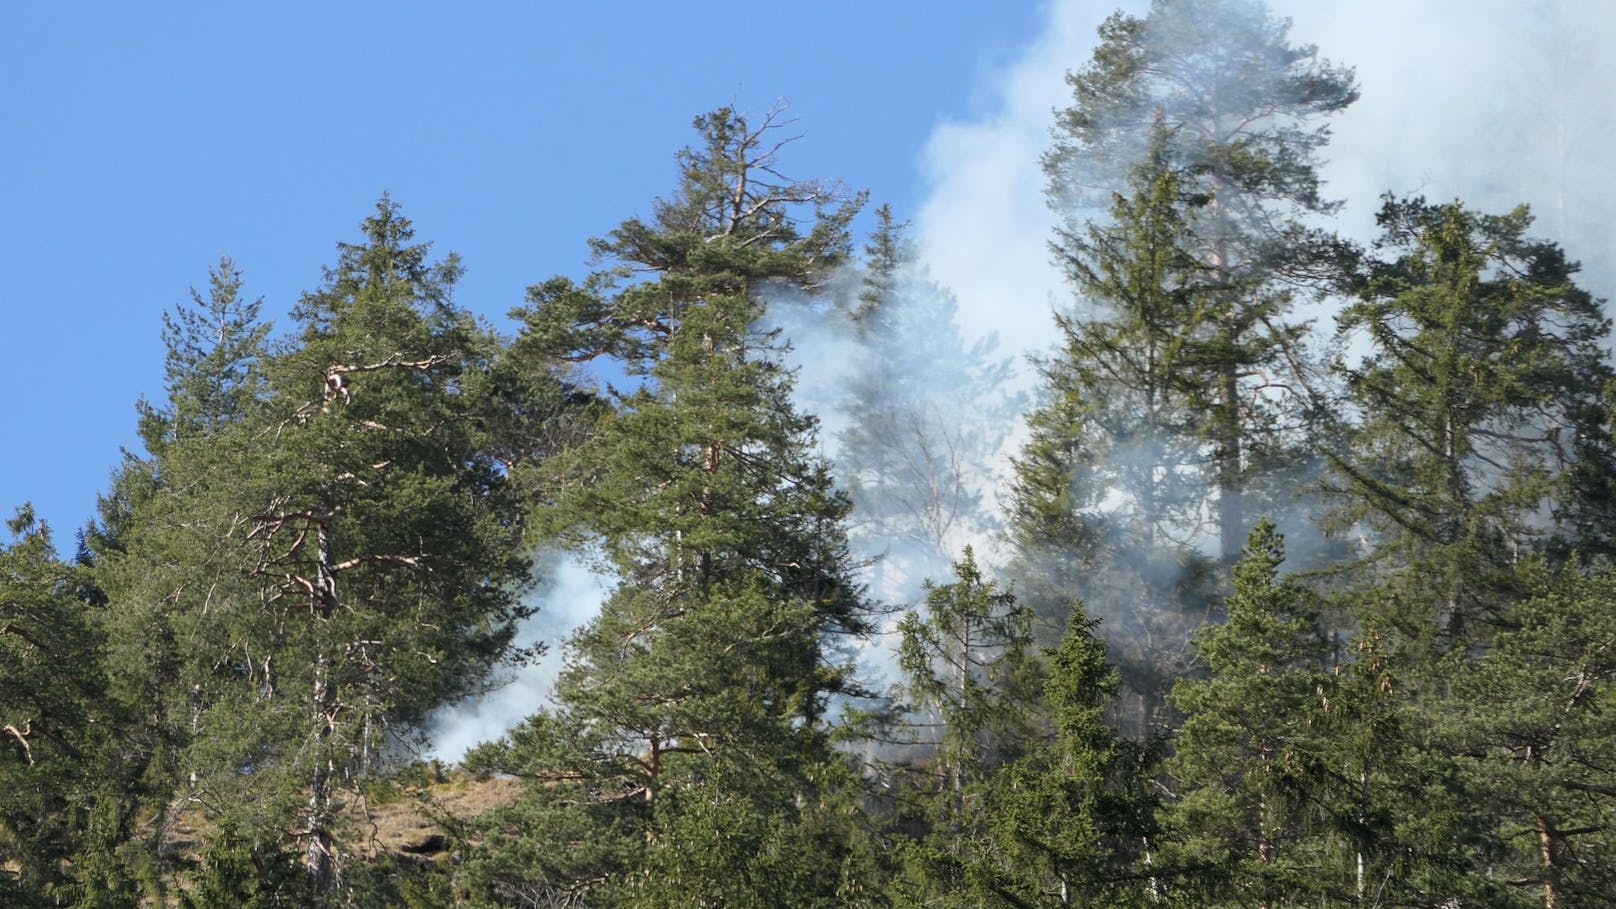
[
  {"x": 970, "y": 680},
  {"x": 1245, "y": 830},
  {"x": 1108, "y": 496},
  {"x": 152, "y": 542},
  {"x": 1070, "y": 823}
]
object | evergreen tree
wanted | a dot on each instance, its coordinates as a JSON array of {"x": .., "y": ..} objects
[
  {"x": 1536, "y": 752},
  {"x": 64, "y": 776},
  {"x": 1247, "y": 831},
  {"x": 971, "y": 680},
  {"x": 1070, "y": 823},
  {"x": 1108, "y": 495},
  {"x": 689, "y": 751},
  {"x": 313, "y": 561},
  {"x": 1237, "y": 110},
  {"x": 1481, "y": 389},
  {"x": 213, "y": 369},
  {"x": 152, "y": 531}
]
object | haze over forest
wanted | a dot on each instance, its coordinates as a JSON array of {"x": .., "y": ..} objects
[{"x": 1204, "y": 496}]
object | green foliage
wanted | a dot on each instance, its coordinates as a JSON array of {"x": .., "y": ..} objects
[
  {"x": 1071, "y": 822},
  {"x": 1534, "y": 747},
  {"x": 322, "y": 552},
  {"x": 1111, "y": 489},
  {"x": 245, "y": 869},
  {"x": 1248, "y": 747},
  {"x": 1485, "y": 359},
  {"x": 1214, "y": 92},
  {"x": 970, "y": 674},
  {"x": 690, "y": 736}
]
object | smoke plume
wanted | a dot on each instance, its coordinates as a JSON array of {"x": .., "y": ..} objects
[{"x": 569, "y": 595}]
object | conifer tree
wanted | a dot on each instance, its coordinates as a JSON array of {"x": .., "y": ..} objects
[
  {"x": 151, "y": 542},
  {"x": 1108, "y": 496},
  {"x": 1247, "y": 749},
  {"x": 689, "y": 751},
  {"x": 1070, "y": 823},
  {"x": 324, "y": 554},
  {"x": 1536, "y": 752},
  {"x": 66, "y": 779},
  {"x": 971, "y": 680},
  {"x": 1480, "y": 392},
  {"x": 1238, "y": 109}
]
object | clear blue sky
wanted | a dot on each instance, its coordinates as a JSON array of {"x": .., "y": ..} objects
[{"x": 140, "y": 142}]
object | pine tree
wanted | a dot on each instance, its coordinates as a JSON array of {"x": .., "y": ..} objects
[
  {"x": 690, "y": 746},
  {"x": 319, "y": 554},
  {"x": 1247, "y": 751},
  {"x": 65, "y": 777},
  {"x": 374, "y": 523},
  {"x": 1238, "y": 109},
  {"x": 1481, "y": 387}
]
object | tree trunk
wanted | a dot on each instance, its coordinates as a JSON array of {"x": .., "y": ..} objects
[
  {"x": 318, "y": 857},
  {"x": 1231, "y": 504}
]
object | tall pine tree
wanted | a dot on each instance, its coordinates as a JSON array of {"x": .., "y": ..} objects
[{"x": 689, "y": 749}]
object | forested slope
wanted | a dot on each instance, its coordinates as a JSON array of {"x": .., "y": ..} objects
[{"x": 1234, "y": 608}]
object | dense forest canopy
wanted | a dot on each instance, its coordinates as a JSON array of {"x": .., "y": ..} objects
[{"x": 1233, "y": 607}]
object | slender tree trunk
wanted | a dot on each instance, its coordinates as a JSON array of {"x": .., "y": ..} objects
[
  {"x": 1231, "y": 492},
  {"x": 318, "y": 856},
  {"x": 1227, "y": 430},
  {"x": 1363, "y": 805},
  {"x": 1545, "y": 838}
]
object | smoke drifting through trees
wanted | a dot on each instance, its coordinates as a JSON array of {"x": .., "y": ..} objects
[
  {"x": 570, "y": 595},
  {"x": 1494, "y": 101}
]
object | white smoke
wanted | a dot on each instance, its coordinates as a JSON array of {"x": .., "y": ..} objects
[
  {"x": 569, "y": 596},
  {"x": 1493, "y": 102},
  {"x": 984, "y": 228}
]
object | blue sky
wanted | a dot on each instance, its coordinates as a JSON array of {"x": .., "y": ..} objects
[{"x": 140, "y": 142}]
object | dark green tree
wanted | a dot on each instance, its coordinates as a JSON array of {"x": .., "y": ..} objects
[
  {"x": 1070, "y": 823},
  {"x": 321, "y": 553},
  {"x": 1247, "y": 830},
  {"x": 1538, "y": 756},
  {"x": 688, "y": 761},
  {"x": 971, "y": 680},
  {"x": 64, "y": 811},
  {"x": 150, "y": 533},
  {"x": 1479, "y": 396},
  {"x": 374, "y": 528}
]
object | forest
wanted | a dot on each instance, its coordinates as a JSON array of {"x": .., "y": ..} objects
[{"x": 1237, "y": 607}]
